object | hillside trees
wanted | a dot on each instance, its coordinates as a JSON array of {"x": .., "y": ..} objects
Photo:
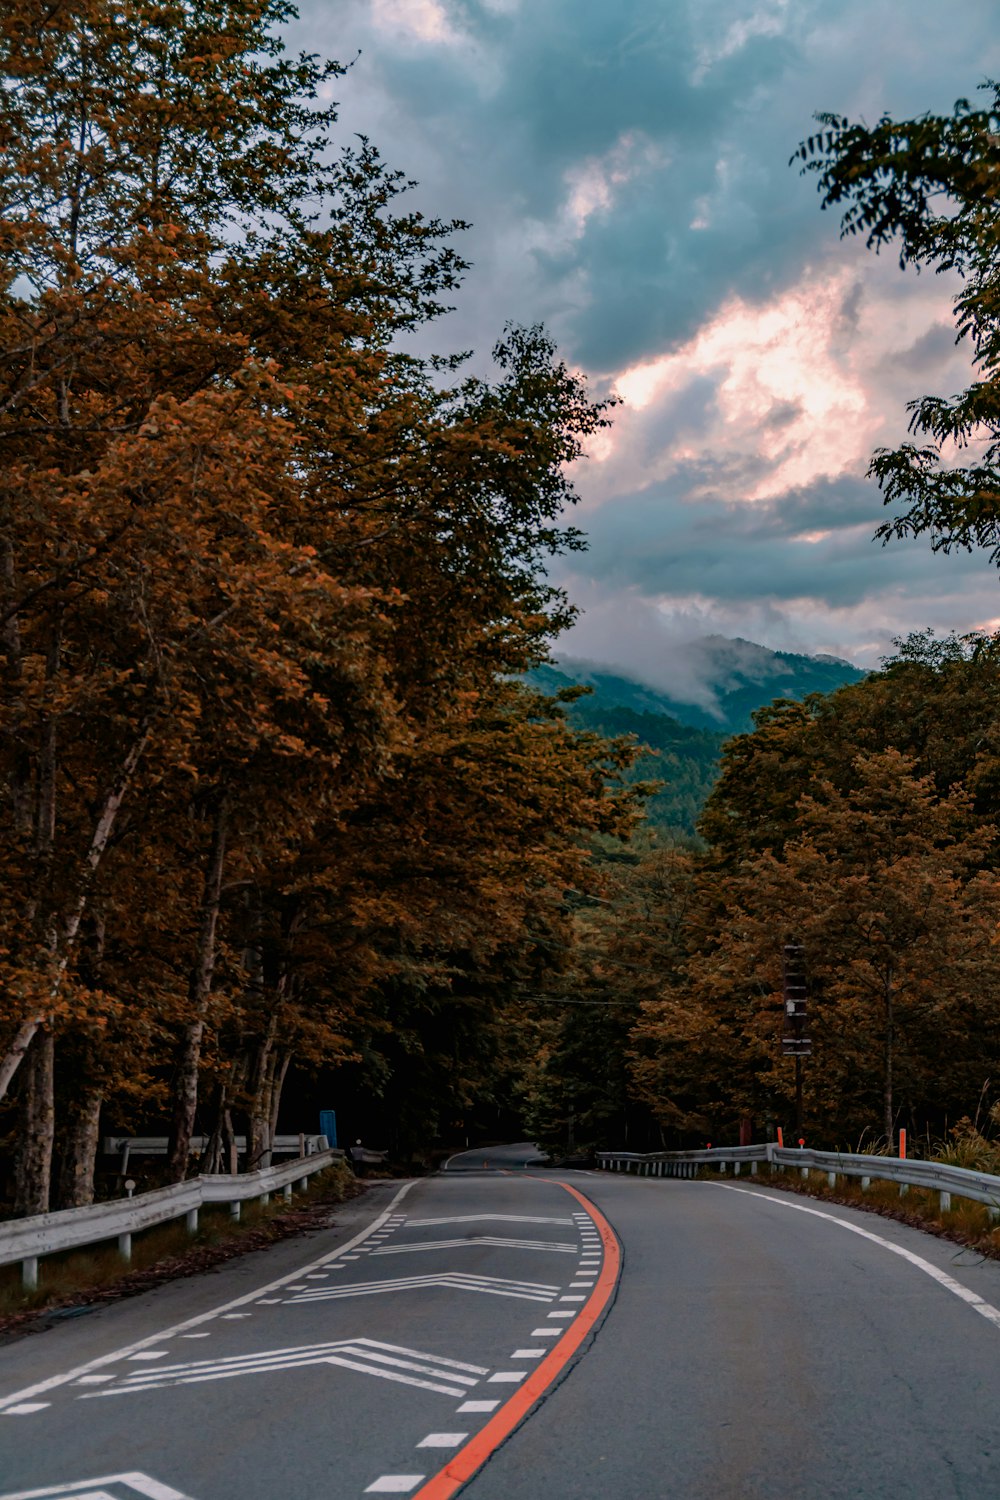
[
  {"x": 264, "y": 581},
  {"x": 861, "y": 825}
]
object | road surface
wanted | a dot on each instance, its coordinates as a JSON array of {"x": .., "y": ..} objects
[{"x": 511, "y": 1333}]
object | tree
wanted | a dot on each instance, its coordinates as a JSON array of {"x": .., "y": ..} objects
[
  {"x": 266, "y": 582},
  {"x": 883, "y": 886},
  {"x": 932, "y": 184}
]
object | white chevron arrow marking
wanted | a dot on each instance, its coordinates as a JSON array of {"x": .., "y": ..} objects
[
  {"x": 100, "y": 1489},
  {"x": 479, "y": 1239},
  {"x": 369, "y": 1356},
  {"x": 496, "y": 1286},
  {"x": 479, "y": 1218}
]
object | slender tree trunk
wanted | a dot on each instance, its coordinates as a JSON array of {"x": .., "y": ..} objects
[
  {"x": 185, "y": 1090},
  {"x": 890, "y": 1040},
  {"x": 19, "y": 778},
  {"x": 79, "y": 1154},
  {"x": 259, "y": 1113},
  {"x": 66, "y": 938},
  {"x": 36, "y": 1128},
  {"x": 280, "y": 1074}
]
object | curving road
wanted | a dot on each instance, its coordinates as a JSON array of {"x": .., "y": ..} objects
[{"x": 484, "y": 1332}]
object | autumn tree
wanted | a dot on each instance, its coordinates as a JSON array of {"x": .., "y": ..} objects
[
  {"x": 883, "y": 886},
  {"x": 266, "y": 581}
]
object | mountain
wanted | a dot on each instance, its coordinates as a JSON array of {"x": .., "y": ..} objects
[{"x": 726, "y": 681}]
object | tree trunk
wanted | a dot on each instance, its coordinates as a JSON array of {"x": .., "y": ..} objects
[
  {"x": 79, "y": 1155},
  {"x": 889, "y": 1113},
  {"x": 19, "y": 779},
  {"x": 33, "y": 1172},
  {"x": 280, "y": 1074},
  {"x": 185, "y": 1089},
  {"x": 66, "y": 938},
  {"x": 260, "y": 1138}
]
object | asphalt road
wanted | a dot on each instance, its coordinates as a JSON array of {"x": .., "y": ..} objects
[{"x": 474, "y": 1333}]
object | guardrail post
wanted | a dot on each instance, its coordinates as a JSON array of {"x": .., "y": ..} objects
[
  {"x": 234, "y": 1209},
  {"x": 736, "y": 1168},
  {"x": 904, "y": 1188},
  {"x": 264, "y": 1199},
  {"x": 29, "y": 1273},
  {"x": 287, "y": 1191},
  {"x": 866, "y": 1183},
  {"x": 722, "y": 1168},
  {"x": 831, "y": 1179},
  {"x": 944, "y": 1200},
  {"x": 994, "y": 1213},
  {"x": 804, "y": 1171},
  {"x": 125, "y": 1246},
  {"x": 191, "y": 1220},
  {"x": 302, "y": 1184},
  {"x": 753, "y": 1169}
]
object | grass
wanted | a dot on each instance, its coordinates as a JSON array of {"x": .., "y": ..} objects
[{"x": 98, "y": 1273}]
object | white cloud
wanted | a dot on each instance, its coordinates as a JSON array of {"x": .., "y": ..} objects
[{"x": 424, "y": 21}]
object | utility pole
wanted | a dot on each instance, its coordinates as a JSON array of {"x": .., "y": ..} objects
[{"x": 795, "y": 1043}]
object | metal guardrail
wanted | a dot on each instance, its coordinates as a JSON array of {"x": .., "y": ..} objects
[
  {"x": 946, "y": 1181},
  {"x": 25, "y": 1240}
]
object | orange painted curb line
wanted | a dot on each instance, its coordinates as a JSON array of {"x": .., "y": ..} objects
[{"x": 477, "y": 1450}]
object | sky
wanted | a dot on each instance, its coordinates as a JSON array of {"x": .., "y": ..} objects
[{"x": 624, "y": 165}]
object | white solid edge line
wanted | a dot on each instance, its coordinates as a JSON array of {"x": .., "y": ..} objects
[
  {"x": 206, "y": 1317},
  {"x": 978, "y": 1304}
]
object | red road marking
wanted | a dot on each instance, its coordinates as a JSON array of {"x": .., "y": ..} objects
[{"x": 471, "y": 1458}]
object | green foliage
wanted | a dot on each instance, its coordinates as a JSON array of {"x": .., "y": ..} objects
[{"x": 931, "y": 185}]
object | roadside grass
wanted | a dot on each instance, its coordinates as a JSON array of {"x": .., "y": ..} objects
[
  {"x": 966, "y": 1222},
  {"x": 75, "y": 1278}
]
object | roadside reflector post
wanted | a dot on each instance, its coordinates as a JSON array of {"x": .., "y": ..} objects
[
  {"x": 902, "y": 1145},
  {"x": 29, "y": 1273},
  {"x": 781, "y": 1138}
]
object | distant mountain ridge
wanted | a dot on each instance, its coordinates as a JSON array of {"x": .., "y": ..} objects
[
  {"x": 685, "y": 738},
  {"x": 730, "y": 678}
]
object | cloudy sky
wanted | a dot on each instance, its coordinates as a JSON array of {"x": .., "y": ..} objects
[{"x": 625, "y": 167}]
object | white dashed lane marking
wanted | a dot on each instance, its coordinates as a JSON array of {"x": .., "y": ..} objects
[
  {"x": 442, "y": 1440},
  {"x": 394, "y": 1484}
]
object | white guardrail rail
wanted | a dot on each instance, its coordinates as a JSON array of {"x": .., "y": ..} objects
[
  {"x": 25, "y": 1240},
  {"x": 944, "y": 1180}
]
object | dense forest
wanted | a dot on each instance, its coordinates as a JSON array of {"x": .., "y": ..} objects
[
  {"x": 286, "y": 818},
  {"x": 860, "y": 825},
  {"x": 274, "y": 790}
]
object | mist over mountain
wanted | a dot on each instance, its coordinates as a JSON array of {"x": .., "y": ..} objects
[
  {"x": 724, "y": 681},
  {"x": 685, "y": 736}
]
